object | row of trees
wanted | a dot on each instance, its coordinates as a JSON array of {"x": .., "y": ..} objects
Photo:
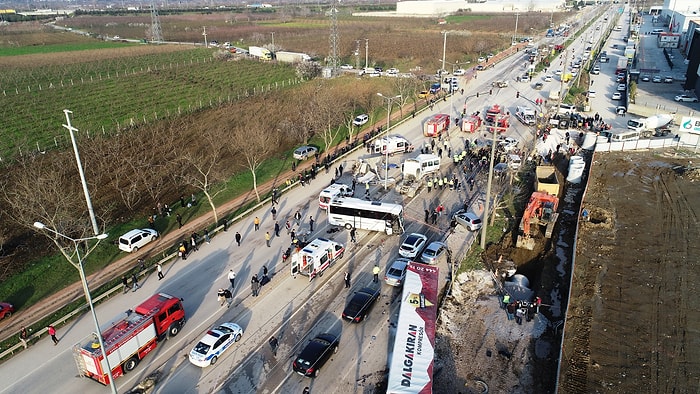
[{"x": 130, "y": 172}]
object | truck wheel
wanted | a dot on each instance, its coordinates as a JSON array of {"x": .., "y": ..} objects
[
  {"x": 174, "y": 330},
  {"x": 130, "y": 364},
  {"x": 213, "y": 360},
  {"x": 348, "y": 226}
]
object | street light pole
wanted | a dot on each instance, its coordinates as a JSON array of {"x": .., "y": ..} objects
[
  {"x": 91, "y": 211},
  {"x": 86, "y": 289},
  {"x": 388, "y": 127},
  {"x": 444, "y": 50}
]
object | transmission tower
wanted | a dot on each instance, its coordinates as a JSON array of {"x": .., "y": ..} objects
[
  {"x": 333, "y": 59},
  {"x": 156, "y": 32}
]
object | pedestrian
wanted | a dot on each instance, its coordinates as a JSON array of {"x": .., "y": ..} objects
[
  {"x": 273, "y": 211},
  {"x": 277, "y": 229},
  {"x": 228, "y": 296},
  {"x": 159, "y": 269},
  {"x": 519, "y": 313},
  {"x": 538, "y": 302},
  {"x": 255, "y": 285},
  {"x": 434, "y": 217},
  {"x": 125, "y": 283},
  {"x": 193, "y": 241},
  {"x": 134, "y": 282},
  {"x": 506, "y": 301},
  {"x": 510, "y": 310},
  {"x": 293, "y": 235},
  {"x": 23, "y": 336},
  {"x": 306, "y": 390},
  {"x": 274, "y": 196},
  {"x": 221, "y": 297},
  {"x": 367, "y": 189},
  {"x": 297, "y": 217},
  {"x": 273, "y": 345},
  {"x": 179, "y": 220},
  {"x": 256, "y": 223},
  {"x": 182, "y": 201},
  {"x": 182, "y": 251},
  {"x": 375, "y": 272},
  {"x": 352, "y": 235},
  {"x": 207, "y": 239},
  {"x": 288, "y": 226},
  {"x": 232, "y": 278},
  {"x": 238, "y": 238},
  {"x": 52, "y": 331},
  {"x": 267, "y": 238},
  {"x": 311, "y": 223},
  {"x": 427, "y": 216},
  {"x": 151, "y": 222},
  {"x": 347, "y": 280},
  {"x": 264, "y": 270}
]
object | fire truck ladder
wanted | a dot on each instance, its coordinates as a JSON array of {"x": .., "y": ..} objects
[{"x": 79, "y": 361}]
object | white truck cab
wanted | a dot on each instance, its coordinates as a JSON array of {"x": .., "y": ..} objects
[
  {"x": 420, "y": 166},
  {"x": 334, "y": 190}
]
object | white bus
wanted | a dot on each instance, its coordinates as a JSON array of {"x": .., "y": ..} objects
[
  {"x": 366, "y": 215},
  {"x": 629, "y": 135}
]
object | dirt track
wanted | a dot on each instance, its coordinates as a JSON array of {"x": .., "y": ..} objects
[{"x": 633, "y": 323}]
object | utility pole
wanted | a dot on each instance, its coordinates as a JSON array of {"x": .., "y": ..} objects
[
  {"x": 515, "y": 32},
  {"x": 366, "y": 52},
  {"x": 485, "y": 220},
  {"x": 273, "y": 42},
  {"x": 206, "y": 43},
  {"x": 444, "y": 50},
  {"x": 357, "y": 54}
]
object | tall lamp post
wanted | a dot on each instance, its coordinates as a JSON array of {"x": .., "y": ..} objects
[
  {"x": 388, "y": 127},
  {"x": 79, "y": 266}
]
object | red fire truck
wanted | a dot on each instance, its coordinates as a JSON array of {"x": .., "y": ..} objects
[
  {"x": 434, "y": 126},
  {"x": 471, "y": 123},
  {"x": 128, "y": 340}
]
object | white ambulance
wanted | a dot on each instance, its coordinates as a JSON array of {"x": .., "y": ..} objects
[
  {"x": 315, "y": 257},
  {"x": 391, "y": 144},
  {"x": 334, "y": 190}
]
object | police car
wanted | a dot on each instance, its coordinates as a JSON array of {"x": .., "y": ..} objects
[{"x": 214, "y": 343}]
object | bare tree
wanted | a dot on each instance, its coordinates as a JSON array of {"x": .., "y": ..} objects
[
  {"x": 328, "y": 108},
  {"x": 255, "y": 147},
  {"x": 407, "y": 88},
  {"x": 202, "y": 165}
]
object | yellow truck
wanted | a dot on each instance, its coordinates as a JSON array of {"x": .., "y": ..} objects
[{"x": 546, "y": 180}]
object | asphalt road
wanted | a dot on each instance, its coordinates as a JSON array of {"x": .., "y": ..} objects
[{"x": 294, "y": 310}]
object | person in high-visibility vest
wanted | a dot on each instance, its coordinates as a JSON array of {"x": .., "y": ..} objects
[
  {"x": 430, "y": 184},
  {"x": 440, "y": 183},
  {"x": 451, "y": 183}
]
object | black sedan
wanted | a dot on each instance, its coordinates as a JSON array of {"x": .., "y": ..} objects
[
  {"x": 360, "y": 304},
  {"x": 315, "y": 355}
]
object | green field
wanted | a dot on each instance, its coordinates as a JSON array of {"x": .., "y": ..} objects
[
  {"x": 112, "y": 94},
  {"x": 56, "y": 48}
]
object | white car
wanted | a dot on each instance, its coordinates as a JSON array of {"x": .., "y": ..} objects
[
  {"x": 591, "y": 93},
  {"x": 346, "y": 67},
  {"x": 596, "y": 70},
  {"x": 557, "y": 72},
  {"x": 548, "y": 78},
  {"x": 135, "y": 239},
  {"x": 392, "y": 71},
  {"x": 622, "y": 87},
  {"x": 481, "y": 59},
  {"x": 304, "y": 152},
  {"x": 413, "y": 245},
  {"x": 617, "y": 96},
  {"x": 360, "y": 120},
  {"x": 685, "y": 98},
  {"x": 459, "y": 72},
  {"x": 214, "y": 343}
]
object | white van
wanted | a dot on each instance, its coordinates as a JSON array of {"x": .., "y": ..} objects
[
  {"x": 135, "y": 239},
  {"x": 629, "y": 135},
  {"x": 420, "y": 166},
  {"x": 336, "y": 189},
  {"x": 514, "y": 161}
]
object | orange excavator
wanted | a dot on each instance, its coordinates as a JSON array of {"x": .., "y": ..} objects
[{"x": 541, "y": 210}]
